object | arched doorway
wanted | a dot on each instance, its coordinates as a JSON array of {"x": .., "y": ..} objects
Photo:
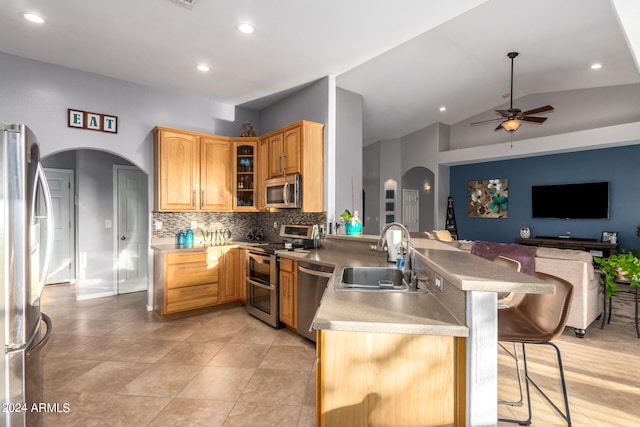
[{"x": 101, "y": 265}]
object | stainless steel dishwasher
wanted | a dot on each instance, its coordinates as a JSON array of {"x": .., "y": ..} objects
[{"x": 312, "y": 281}]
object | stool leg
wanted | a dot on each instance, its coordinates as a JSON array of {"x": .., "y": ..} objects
[
  {"x": 514, "y": 355},
  {"x": 526, "y": 381}
]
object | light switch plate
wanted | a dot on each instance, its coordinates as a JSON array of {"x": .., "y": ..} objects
[
  {"x": 107, "y": 223},
  {"x": 439, "y": 283}
]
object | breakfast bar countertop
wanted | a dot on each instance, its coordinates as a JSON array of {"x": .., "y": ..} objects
[{"x": 409, "y": 312}]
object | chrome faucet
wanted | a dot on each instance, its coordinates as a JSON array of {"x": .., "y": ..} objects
[{"x": 409, "y": 256}]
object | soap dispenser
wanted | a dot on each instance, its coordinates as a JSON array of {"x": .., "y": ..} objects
[{"x": 189, "y": 238}]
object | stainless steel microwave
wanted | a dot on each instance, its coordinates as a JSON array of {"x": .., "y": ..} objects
[{"x": 283, "y": 192}]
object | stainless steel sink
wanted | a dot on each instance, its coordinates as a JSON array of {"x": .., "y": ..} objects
[{"x": 371, "y": 279}]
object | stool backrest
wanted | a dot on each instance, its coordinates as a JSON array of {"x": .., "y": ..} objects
[{"x": 549, "y": 312}]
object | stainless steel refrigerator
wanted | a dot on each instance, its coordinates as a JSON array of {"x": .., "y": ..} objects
[{"x": 26, "y": 233}]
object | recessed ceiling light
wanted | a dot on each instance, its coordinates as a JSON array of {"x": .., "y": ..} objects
[
  {"x": 443, "y": 108},
  {"x": 32, "y": 17},
  {"x": 245, "y": 28},
  {"x": 203, "y": 67},
  {"x": 596, "y": 66}
]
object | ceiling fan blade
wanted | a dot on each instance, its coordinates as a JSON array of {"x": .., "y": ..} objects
[
  {"x": 533, "y": 119},
  {"x": 538, "y": 110},
  {"x": 503, "y": 113},
  {"x": 499, "y": 126},
  {"x": 486, "y": 121}
]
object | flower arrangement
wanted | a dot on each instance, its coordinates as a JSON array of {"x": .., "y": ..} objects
[{"x": 352, "y": 223}]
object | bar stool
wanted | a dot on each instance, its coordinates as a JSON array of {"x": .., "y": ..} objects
[{"x": 538, "y": 319}]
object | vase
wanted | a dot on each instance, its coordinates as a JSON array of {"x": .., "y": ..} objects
[
  {"x": 525, "y": 232},
  {"x": 353, "y": 230}
]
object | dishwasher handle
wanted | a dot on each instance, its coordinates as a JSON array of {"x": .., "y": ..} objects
[{"x": 315, "y": 272}]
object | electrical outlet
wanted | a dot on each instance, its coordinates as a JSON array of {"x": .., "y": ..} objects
[
  {"x": 275, "y": 224},
  {"x": 158, "y": 225},
  {"x": 194, "y": 225},
  {"x": 439, "y": 283}
]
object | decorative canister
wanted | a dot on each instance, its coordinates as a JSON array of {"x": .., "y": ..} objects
[{"x": 525, "y": 232}]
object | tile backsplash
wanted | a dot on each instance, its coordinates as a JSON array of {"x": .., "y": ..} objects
[{"x": 238, "y": 222}]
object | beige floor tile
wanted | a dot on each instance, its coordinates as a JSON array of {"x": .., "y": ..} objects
[
  {"x": 276, "y": 386},
  {"x": 93, "y": 328},
  {"x": 59, "y": 371},
  {"x": 193, "y": 413},
  {"x": 240, "y": 355},
  {"x": 307, "y": 417},
  {"x": 194, "y": 354},
  {"x": 61, "y": 345},
  {"x": 107, "y": 377},
  {"x": 162, "y": 380},
  {"x": 104, "y": 348},
  {"x": 107, "y": 409},
  {"x": 290, "y": 358},
  {"x": 145, "y": 351},
  {"x": 217, "y": 383},
  {"x": 250, "y": 414}
]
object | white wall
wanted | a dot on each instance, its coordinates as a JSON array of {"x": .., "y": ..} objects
[
  {"x": 348, "y": 152},
  {"x": 371, "y": 185},
  {"x": 39, "y": 95}
]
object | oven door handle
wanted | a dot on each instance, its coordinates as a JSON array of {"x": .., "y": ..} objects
[
  {"x": 260, "y": 257},
  {"x": 262, "y": 285}
]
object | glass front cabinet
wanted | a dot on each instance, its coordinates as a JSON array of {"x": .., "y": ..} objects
[{"x": 245, "y": 175}]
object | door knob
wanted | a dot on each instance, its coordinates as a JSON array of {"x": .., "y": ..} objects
[{"x": 123, "y": 238}]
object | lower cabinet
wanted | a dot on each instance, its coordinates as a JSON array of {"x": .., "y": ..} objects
[
  {"x": 288, "y": 292},
  {"x": 195, "y": 279},
  {"x": 365, "y": 378}
]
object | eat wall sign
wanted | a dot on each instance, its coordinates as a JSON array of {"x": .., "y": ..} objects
[{"x": 92, "y": 121}]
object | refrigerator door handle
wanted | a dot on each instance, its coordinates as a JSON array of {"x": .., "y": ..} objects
[
  {"x": 42, "y": 180},
  {"x": 47, "y": 320}
]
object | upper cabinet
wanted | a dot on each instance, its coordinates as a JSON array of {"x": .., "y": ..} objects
[
  {"x": 203, "y": 172},
  {"x": 193, "y": 171},
  {"x": 284, "y": 152},
  {"x": 244, "y": 170},
  {"x": 177, "y": 170},
  {"x": 215, "y": 174}
]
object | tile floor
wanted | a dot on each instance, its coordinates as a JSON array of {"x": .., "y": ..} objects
[{"x": 116, "y": 365}]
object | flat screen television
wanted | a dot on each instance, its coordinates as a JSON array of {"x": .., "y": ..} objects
[{"x": 571, "y": 201}]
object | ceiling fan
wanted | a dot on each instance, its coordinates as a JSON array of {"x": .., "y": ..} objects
[{"x": 513, "y": 117}]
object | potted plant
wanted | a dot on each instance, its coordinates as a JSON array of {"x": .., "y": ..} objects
[
  {"x": 352, "y": 223},
  {"x": 624, "y": 265}
]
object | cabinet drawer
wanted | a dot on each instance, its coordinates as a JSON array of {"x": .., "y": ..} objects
[
  {"x": 191, "y": 297},
  {"x": 181, "y": 275},
  {"x": 186, "y": 257},
  {"x": 286, "y": 265}
]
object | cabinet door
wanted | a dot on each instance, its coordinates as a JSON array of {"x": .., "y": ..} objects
[
  {"x": 291, "y": 151},
  {"x": 215, "y": 175},
  {"x": 242, "y": 275},
  {"x": 244, "y": 175},
  {"x": 177, "y": 171},
  {"x": 276, "y": 154},
  {"x": 228, "y": 267},
  {"x": 287, "y": 297},
  {"x": 262, "y": 172}
]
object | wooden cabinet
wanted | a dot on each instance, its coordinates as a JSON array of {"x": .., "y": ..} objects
[
  {"x": 262, "y": 173},
  {"x": 365, "y": 378},
  {"x": 299, "y": 148},
  {"x": 193, "y": 171},
  {"x": 184, "y": 281},
  {"x": 288, "y": 292},
  {"x": 245, "y": 167},
  {"x": 215, "y": 174},
  {"x": 242, "y": 275},
  {"x": 177, "y": 170},
  {"x": 228, "y": 274},
  {"x": 284, "y": 152},
  {"x": 203, "y": 172}
]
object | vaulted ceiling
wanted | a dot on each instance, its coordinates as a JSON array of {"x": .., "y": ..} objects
[{"x": 406, "y": 58}]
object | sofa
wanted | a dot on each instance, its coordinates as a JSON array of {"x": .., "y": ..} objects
[{"x": 572, "y": 265}]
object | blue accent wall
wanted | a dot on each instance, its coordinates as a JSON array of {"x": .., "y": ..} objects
[{"x": 619, "y": 166}]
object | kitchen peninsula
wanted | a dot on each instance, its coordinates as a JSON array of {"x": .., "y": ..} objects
[{"x": 411, "y": 358}]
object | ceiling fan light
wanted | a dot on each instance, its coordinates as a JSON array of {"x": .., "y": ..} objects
[{"x": 511, "y": 125}]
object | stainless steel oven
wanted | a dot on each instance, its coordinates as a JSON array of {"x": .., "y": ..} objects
[{"x": 262, "y": 287}]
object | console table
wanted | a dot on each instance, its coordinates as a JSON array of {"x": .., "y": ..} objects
[{"x": 601, "y": 249}]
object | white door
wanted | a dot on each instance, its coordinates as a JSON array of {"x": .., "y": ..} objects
[
  {"x": 131, "y": 217},
  {"x": 410, "y": 212},
  {"x": 60, "y": 183}
]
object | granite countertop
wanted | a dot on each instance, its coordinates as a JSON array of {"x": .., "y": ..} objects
[{"x": 168, "y": 247}]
